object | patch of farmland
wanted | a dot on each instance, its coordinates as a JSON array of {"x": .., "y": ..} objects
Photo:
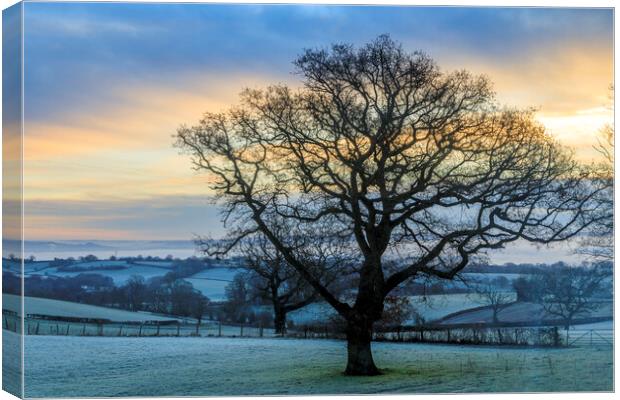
[
  {"x": 119, "y": 276},
  {"x": 11, "y": 266},
  {"x": 102, "y": 263},
  {"x": 490, "y": 276},
  {"x": 35, "y": 266},
  {"x": 520, "y": 312},
  {"x": 212, "y": 282},
  {"x": 215, "y": 290},
  {"x": 468, "y": 280},
  {"x": 158, "y": 264},
  {"x": 59, "y": 308},
  {"x": 218, "y": 273},
  {"x": 29, "y": 267},
  {"x": 60, "y": 366},
  {"x": 433, "y": 307},
  {"x": 88, "y": 267},
  {"x": 603, "y": 325}
]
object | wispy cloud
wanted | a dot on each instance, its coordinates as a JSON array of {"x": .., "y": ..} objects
[{"x": 88, "y": 25}]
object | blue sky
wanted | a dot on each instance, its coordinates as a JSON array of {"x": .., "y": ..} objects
[
  {"x": 106, "y": 85},
  {"x": 91, "y": 45}
]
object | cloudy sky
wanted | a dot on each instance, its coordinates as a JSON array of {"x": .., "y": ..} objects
[{"x": 106, "y": 86}]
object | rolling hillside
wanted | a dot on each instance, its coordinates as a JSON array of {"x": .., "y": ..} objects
[
  {"x": 58, "y": 308},
  {"x": 519, "y": 313}
]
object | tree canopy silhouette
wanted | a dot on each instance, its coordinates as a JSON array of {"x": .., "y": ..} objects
[{"x": 417, "y": 169}]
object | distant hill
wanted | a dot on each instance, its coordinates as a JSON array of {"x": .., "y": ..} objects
[
  {"x": 48, "y": 250},
  {"x": 521, "y": 313},
  {"x": 101, "y": 245},
  {"x": 37, "y": 246}
]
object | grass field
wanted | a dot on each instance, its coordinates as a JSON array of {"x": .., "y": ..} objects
[
  {"x": 431, "y": 307},
  {"x": 59, "y": 366},
  {"x": 11, "y": 363},
  {"x": 212, "y": 282},
  {"x": 119, "y": 276},
  {"x": 58, "y": 308},
  {"x": 520, "y": 312}
]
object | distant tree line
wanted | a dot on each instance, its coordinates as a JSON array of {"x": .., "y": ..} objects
[{"x": 168, "y": 294}]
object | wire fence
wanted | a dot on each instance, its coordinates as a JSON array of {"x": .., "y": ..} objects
[
  {"x": 473, "y": 334},
  {"x": 34, "y": 326}
]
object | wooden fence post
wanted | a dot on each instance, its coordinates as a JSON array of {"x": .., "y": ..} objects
[
  {"x": 157, "y": 334},
  {"x": 36, "y": 330},
  {"x": 67, "y": 332},
  {"x": 260, "y": 330},
  {"x": 241, "y": 333},
  {"x": 219, "y": 329},
  {"x": 556, "y": 337},
  {"x": 83, "y": 329},
  {"x": 140, "y": 330},
  {"x": 178, "y": 328},
  {"x": 120, "y": 330}
]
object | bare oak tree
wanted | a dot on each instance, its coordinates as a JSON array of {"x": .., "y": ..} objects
[{"x": 406, "y": 162}]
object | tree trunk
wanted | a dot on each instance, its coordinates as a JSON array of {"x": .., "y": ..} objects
[
  {"x": 279, "y": 321},
  {"x": 198, "y": 325},
  {"x": 359, "y": 361}
]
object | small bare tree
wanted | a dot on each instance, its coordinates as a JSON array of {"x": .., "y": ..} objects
[
  {"x": 135, "y": 289},
  {"x": 383, "y": 150},
  {"x": 198, "y": 307},
  {"x": 568, "y": 292},
  {"x": 238, "y": 298},
  {"x": 493, "y": 296},
  {"x": 275, "y": 280}
]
